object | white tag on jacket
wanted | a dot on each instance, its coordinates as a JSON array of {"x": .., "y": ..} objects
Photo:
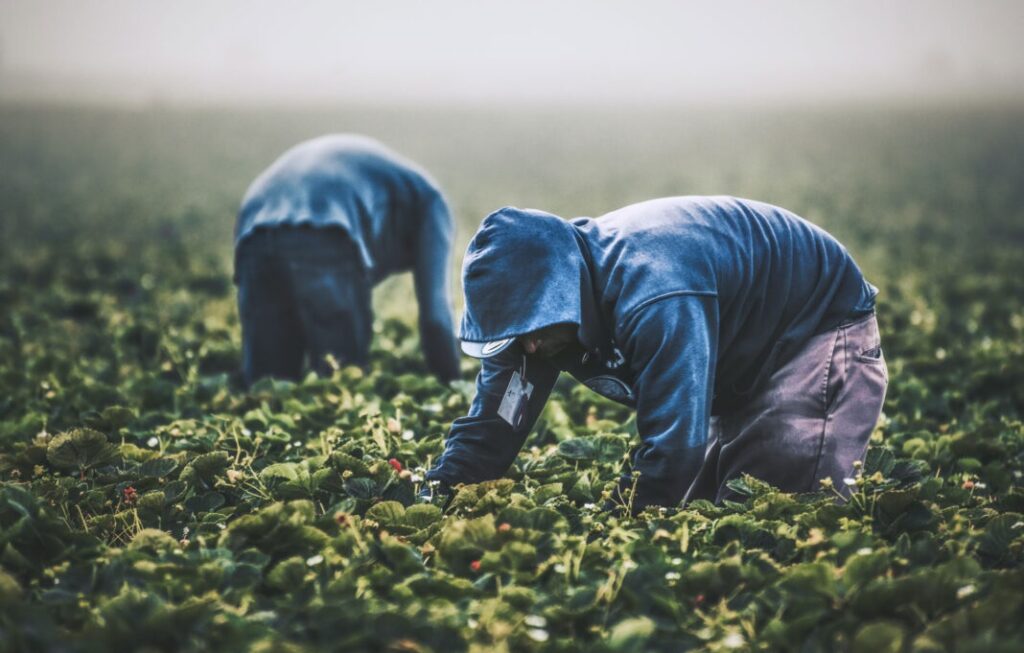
[{"x": 514, "y": 403}]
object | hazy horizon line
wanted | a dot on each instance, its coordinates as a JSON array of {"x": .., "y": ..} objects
[{"x": 28, "y": 88}]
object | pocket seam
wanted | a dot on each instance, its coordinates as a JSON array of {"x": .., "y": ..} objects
[{"x": 871, "y": 359}]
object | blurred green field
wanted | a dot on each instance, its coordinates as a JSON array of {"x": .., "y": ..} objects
[
  {"x": 117, "y": 314},
  {"x": 902, "y": 187}
]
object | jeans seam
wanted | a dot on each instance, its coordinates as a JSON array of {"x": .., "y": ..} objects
[
  {"x": 846, "y": 355},
  {"x": 824, "y": 408}
]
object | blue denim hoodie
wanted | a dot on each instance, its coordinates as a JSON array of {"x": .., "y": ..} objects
[
  {"x": 683, "y": 307},
  {"x": 389, "y": 206}
]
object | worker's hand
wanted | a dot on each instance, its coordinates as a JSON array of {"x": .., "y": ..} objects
[{"x": 436, "y": 493}]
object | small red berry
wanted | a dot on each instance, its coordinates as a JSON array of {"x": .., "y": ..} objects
[
  {"x": 129, "y": 494},
  {"x": 475, "y": 565},
  {"x": 699, "y": 599},
  {"x": 504, "y": 527},
  {"x": 968, "y": 485},
  {"x": 397, "y": 466}
]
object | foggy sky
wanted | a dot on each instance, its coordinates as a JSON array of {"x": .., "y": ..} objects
[{"x": 521, "y": 50}]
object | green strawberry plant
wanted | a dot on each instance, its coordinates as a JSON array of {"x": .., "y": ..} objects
[{"x": 148, "y": 502}]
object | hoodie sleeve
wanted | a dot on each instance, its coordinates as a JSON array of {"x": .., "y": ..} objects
[
  {"x": 671, "y": 346},
  {"x": 482, "y": 446},
  {"x": 431, "y": 280}
]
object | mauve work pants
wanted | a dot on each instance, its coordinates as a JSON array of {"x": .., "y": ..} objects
[
  {"x": 302, "y": 292},
  {"x": 811, "y": 421}
]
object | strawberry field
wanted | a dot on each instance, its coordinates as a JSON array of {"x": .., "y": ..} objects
[{"x": 149, "y": 503}]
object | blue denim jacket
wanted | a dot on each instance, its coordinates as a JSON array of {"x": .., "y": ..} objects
[
  {"x": 389, "y": 206},
  {"x": 683, "y": 306}
]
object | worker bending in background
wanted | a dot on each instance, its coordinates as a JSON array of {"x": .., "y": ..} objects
[{"x": 317, "y": 230}]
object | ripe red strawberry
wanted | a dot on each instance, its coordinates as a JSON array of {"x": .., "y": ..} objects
[
  {"x": 504, "y": 527},
  {"x": 397, "y": 466},
  {"x": 475, "y": 565},
  {"x": 129, "y": 494}
]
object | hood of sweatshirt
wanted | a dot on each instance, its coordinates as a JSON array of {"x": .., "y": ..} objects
[{"x": 525, "y": 270}]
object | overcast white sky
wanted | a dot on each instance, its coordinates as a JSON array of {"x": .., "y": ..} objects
[{"x": 477, "y": 50}]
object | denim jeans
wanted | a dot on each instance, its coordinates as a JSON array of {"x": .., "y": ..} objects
[
  {"x": 303, "y": 293},
  {"x": 811, "y": 421}
]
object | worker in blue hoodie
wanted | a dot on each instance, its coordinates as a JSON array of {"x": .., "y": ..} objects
[
  {"x": 743, "y": 336},
  {"x": 327, "y": 221}
]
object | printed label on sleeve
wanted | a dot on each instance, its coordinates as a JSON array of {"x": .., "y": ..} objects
[{"x": 514, "y": 403}]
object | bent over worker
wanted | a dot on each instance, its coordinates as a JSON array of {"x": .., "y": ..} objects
[
  {"x": 743, "y": 335},
  {"x": 316, "y": 231}
]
